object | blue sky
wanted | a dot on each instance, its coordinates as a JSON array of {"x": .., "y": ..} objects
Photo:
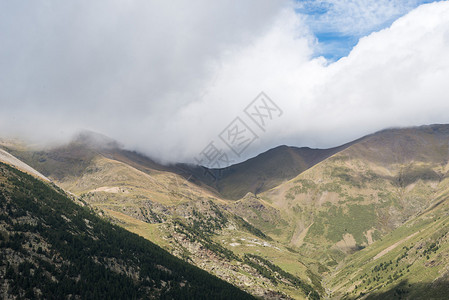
[{"x": 339, "y": 24}]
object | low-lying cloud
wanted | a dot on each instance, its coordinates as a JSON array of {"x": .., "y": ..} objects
[{"x": 167, "y": 78}]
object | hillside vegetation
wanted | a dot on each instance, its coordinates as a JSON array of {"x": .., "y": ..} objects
[
  {"x": 365, "y": 220},
  {"x": 183, "y": 218},
  {"x": 52, "y": 248}
]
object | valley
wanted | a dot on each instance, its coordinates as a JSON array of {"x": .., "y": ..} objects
[{"x": 367, "y": 220}]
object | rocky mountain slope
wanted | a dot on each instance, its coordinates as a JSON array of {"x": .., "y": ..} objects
[
  {"x": 365, "y": 191},
  {"x": 367, "y": 219},
  {"x": 371, "y": 198},
  {"x": 185, "y": 219},
  {"x": 53, "y": 248}
]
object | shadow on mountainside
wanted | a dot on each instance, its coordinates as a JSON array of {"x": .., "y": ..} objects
[{"x": 413, "y": 291}]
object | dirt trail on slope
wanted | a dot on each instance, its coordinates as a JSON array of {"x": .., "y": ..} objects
[{"x": 388, "y": 249}]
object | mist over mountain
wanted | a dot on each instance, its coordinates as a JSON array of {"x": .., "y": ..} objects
[
  {"x": 291, "y": 149},
  {"x": 167, "y": 79},
  {"x": 365, "y": 218}
]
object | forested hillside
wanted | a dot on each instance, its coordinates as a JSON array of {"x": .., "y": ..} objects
[{"x": 52, "y": 248}]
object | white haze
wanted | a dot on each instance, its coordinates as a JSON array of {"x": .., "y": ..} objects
[{"x": 166, "y": 78}]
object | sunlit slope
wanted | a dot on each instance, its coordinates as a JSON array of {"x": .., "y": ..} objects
[
  {"x": 366, "y": 197},
  {"x": 408, "y": 263},
  {"x": 186, "y": 219},
  {"x": 353, "y": 198},
  {"x": 155, "y": 204},
  {"x": 103, "y": 170}
]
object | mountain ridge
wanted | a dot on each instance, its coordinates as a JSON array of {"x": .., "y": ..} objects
[{"x": 350, "y": 205}]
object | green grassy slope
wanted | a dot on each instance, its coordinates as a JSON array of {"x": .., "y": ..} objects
[
  {"x": 335, "y": 227},
  {"x": 353, "y": 198},
  {"x": 408, "y": 263},
  {"x": 181, "y": 217}
]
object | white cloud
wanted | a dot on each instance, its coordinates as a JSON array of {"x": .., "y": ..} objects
[
  {"x": 395, "y": 77},
  {"x": 166, "y": 79},
  {"x": 114, "y": 66}
]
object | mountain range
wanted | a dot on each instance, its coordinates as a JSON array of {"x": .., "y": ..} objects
[{"x": 365, "y": 220}]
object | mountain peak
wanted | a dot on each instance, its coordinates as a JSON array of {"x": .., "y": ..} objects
[{"x": 95, "y": 140}]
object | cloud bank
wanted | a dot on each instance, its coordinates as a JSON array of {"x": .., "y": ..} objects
[{"x": 166, "y": 79}]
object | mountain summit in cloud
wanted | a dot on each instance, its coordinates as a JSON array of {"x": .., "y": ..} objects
[
  {"x": 166, "y": 79},
  {"x": 367, "y": 218}
]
